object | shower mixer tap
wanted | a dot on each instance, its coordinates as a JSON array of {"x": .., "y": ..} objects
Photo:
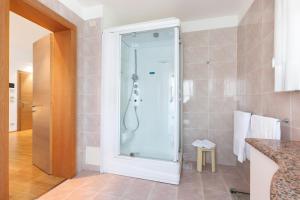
[{"x": 136, "y": 94}]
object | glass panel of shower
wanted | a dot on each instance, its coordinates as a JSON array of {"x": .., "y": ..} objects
[{"x": 148, "y": 96}]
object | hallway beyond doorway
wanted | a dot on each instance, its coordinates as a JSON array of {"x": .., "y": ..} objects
[{"x": 26, "y": 180}]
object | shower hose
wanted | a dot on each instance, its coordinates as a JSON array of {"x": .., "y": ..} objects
[{"x": 135, "y": 111}]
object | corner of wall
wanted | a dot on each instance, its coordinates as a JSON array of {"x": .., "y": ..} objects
[
  {"x": 245, "y": 10},
  {"x": 210, "y": 23}
]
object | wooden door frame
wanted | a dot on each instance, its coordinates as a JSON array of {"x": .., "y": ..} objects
[{"x": 63, "y": 81}]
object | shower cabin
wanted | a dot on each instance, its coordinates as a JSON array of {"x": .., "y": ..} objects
[{"x": 141, "y": 104}]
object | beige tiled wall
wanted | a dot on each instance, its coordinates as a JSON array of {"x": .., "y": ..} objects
[
  {"x": 256, "y": 75},
  {"x": 210, "y": 90},
  {"x": 89, "y": 85},
  {"x": 88, "y": 81}
]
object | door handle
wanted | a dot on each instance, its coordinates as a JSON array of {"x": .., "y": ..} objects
[
  {"x": 171, "y": 89},
  {"x": 171, "y": 94},
  {"x": 34, "y": 106}
]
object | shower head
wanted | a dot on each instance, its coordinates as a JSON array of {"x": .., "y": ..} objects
[{"x": 156, "y": 35}]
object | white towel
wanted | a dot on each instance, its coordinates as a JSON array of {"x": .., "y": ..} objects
[
  {"x": 204, "y": 144},
  {"x": 264, "y": 128},
  {"x": 241, "y": 129}
]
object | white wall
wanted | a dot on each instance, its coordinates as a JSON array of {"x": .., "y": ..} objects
[
  {"x": 110, "y": 19},
  {"x": 22, "y": 35},
  {"x": 85, "y": 11},
  {"x": 210, "y": 23}
]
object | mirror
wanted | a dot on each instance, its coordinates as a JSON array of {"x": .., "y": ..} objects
[{"x": 286, "y": 59}]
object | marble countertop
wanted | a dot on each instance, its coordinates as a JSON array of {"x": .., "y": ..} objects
[{"x": 286, "y": 181}]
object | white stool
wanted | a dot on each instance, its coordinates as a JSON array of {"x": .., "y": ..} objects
[{"x": 201, "y": 158}]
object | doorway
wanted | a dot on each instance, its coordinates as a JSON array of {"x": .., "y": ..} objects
[
  {"x": 62, "y": 97},
  {"x": 30, "y": 164}
]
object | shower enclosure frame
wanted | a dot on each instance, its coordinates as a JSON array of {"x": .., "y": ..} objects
[{"x": 111, "y": 159}]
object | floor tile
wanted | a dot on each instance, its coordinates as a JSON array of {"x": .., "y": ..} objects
[
  {"x": 193, "y": 186},
  {"x": 167, "y": 191},
  {"x": 139, "y": 189}
]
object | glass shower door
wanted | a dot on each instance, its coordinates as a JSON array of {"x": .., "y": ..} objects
[{"x": 149, "y": 94}]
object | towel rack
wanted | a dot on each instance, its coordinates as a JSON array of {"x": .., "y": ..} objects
[
  {"x": 284, "y": 121},
  {"x": 280, "y": 120}
]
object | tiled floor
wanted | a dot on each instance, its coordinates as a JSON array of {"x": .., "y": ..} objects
[
  {"x": 193, "y": 186},
  {"x": 25, "y": 180}
]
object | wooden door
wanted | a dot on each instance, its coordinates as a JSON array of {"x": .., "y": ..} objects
[
  {"x": 24, "y": 100},
  {"x": 4, "y": 73},
  {"x": 41, "y": 132}
]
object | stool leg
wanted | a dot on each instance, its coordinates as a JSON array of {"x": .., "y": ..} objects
[
  {"x": 199, "y": 160},
  {"x": 204, "y": 158},
  {"x": 213, "y": 160}
]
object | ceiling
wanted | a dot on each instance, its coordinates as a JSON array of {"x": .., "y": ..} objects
[
  {"x": 89, "y": 2},
  {"x": 186, "y": 10},
  {"x": 23, "y": 34}
]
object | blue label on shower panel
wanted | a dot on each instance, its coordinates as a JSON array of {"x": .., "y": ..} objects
[{"x": 151, "y": 73}]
